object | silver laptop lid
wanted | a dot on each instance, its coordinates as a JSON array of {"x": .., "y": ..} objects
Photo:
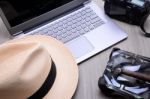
[{"x": 21, "y": 15}]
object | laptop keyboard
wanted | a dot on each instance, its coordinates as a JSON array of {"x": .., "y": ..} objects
[{"x": 72, "y": 26}]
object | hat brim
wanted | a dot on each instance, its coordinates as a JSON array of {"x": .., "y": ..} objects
[{"x": 67, "y": 71}]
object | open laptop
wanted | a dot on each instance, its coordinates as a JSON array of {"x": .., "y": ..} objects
[{"x": 80, "y": 24}]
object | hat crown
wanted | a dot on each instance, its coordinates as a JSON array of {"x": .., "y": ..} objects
[{"x": 23, "y": 69}]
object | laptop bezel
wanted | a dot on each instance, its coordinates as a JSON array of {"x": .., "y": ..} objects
[{"x": 40, "y": 19}]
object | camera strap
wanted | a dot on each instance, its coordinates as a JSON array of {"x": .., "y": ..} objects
[{"x": 143, "y": 23}]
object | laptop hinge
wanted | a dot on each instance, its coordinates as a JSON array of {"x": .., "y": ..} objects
[
  {"x": 20, "y": 32},
  {"x": 88, "y": 1}
]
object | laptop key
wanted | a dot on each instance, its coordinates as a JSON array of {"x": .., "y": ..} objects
[
  {"x": 78, "y": 28},
  {"x": 91, "y": 27},
  {"x": 97, "y": 24},
  {"x": 88, "y": 10},
  {"x": 81, "y": 32},
  {"x": 86, "y": 29}
]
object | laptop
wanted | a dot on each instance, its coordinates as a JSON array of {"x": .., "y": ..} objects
[{"x": 80, "y": 24}]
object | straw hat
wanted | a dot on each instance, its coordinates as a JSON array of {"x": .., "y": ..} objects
[{"x": 37, "y": 67}]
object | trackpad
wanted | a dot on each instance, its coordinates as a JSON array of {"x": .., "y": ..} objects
[{"x": 80, "y": 46}]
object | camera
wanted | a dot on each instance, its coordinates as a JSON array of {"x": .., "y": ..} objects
[
  {"x": 133, "y": 12},
  {"x": 130, "y": 11},
  {"x": 122, "y": 85}
]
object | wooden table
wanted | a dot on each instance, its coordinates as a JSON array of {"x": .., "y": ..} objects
[{"x": 91, "y": 69}]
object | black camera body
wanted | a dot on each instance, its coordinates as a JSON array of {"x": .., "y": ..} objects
[{"x": 130, "y": 11}]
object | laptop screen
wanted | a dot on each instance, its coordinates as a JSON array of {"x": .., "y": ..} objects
[{"x": 19, "y": 11}]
